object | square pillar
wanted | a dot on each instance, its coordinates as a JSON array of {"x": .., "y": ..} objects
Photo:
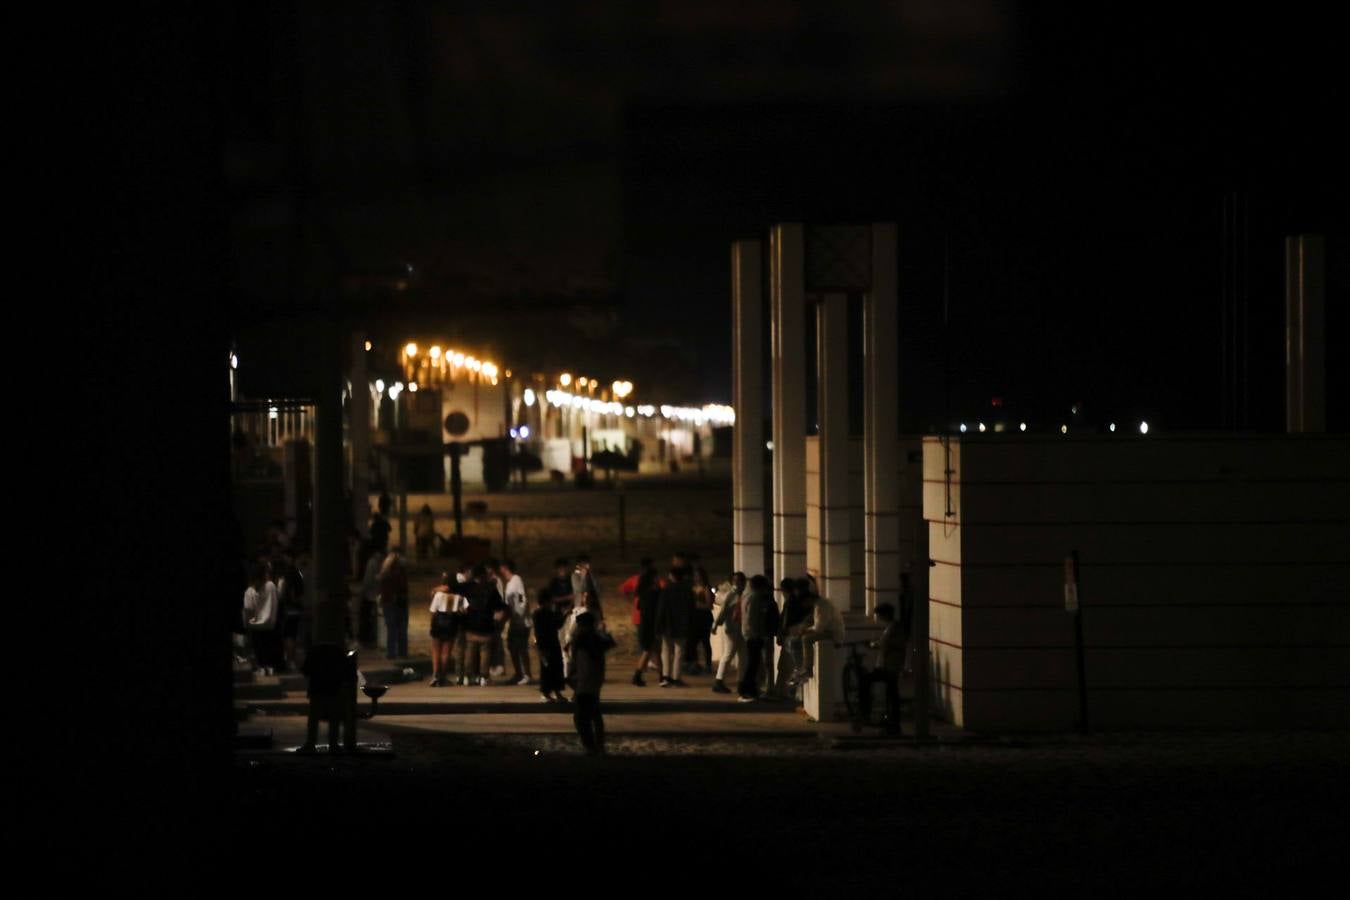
[
  {"x": 881, "y": 431},
  {"x": 747, "y": 384},
  {"x": 1305, "y": 336},
  {"x": 835, "y": 508},
  {"x": 788, "y": 280},
  {"x": 358, "y": 429}
]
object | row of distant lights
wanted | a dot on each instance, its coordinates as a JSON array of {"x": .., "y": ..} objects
[
  {"x": 716, "y": 413},
  {"x": 394, "y": 389},
  {"x": 1063, "y": 429},
  {"x": 621, "y": 389},
  {"x": 452, "y": 358}
]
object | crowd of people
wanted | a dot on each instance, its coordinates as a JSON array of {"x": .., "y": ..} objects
[
  {"x": 274, "y": 615},
  {"x": 481, "y": 616}
]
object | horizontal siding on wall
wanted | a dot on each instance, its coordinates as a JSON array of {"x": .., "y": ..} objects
[
  {"x": 1171, "y": 542},
  {"x": 1156, "y": 668},
  {"x": 1134, "y": 501},
  {"x": 1147, "y": 584},
  {"x": 1215, "y": 580},
  {"x": 1057, "y": 710},
  {"x": 1156, "y": 626},
  {"x": 1151, "y": 458}
]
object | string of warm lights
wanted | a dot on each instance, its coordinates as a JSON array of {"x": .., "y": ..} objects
[
  {"x": 440, "y": 363},
  {"x": 715, "y": 413}
]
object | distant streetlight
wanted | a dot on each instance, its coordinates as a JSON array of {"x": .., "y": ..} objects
[
  {"x": 435, "y": 352},
  {"x": 963, "y": 427},
  {"x": 1064, "y": 429},
  {"x": 564, "y": 379},
  {"x": 1112, "y": 426},
  {"x": 1143, "y": 428},
  {"x": 981, "y": 427},
  {"x": 412, "y": 386},
  {"x": 1022, "y": 427},
  {"x": 528, "y": 397},
  {"x": 368, "y": 346},
  {"x": 379, "y": 385},
  {"x": 411, "y": 349}
]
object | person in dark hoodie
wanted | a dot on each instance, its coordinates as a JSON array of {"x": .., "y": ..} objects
[
  {"x": 674, "y": 617},
  {"x": 547, "y": 621},
  {"x": 589, "y": 645},
  {"x": 484, "y": 615}
]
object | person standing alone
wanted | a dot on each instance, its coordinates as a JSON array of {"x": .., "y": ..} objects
[
  {"x": 589, "y": 645},
  {"x": 394, "y": 604},
  {"x": 517, "y": 623}
]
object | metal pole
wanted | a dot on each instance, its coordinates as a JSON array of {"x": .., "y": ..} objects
[{"x": 456, "y": 489}]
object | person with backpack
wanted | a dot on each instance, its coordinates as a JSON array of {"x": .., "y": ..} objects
[
  {"x": 588, "y": 647},
  {"x": 729, "y": 617},
  {"x": 394, "y": 604}
]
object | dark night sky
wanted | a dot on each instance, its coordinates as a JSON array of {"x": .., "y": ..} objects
[{"x": 1075, "y": 167}]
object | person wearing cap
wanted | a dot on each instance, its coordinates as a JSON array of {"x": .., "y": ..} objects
[{"x": 583, "y": 584}]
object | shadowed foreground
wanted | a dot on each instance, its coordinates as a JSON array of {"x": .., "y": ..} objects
[{"x": 1167, "y": 810}]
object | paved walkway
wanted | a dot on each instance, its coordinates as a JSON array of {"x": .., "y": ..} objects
[{"x": 278, "y": 704}]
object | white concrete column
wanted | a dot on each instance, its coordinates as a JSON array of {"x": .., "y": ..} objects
[
  {"x": 1305, "y": 337},
  {"x": 747, "y": 444},
  {"x": 835, "y": 507},
  {"x": 881, "y": 441},
  {"x": 329, "y": 528},
  {"x": 788, "y": 285}
]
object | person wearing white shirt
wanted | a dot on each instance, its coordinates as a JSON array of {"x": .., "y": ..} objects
[
  {"x": 443, "y": 628},
  {"x": 370, "y": 599},
  {"x": 518, "y": 623},
  {"x": 260, "y": 619}
]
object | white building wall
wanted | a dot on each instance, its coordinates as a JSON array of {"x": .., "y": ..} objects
[{"x": 1214, "y": 580}]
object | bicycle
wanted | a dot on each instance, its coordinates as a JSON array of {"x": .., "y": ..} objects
[{"x": 863, "y": 708}]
